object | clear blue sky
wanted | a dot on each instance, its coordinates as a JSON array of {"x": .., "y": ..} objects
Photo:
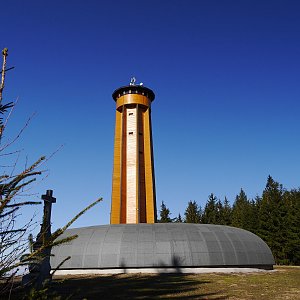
[{"x": 226, "y": 78}]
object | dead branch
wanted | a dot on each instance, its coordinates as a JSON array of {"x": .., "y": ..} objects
[
  {"x": 9, "y": 212},
  {"x": 24, "y": 203},
  {"x": 12, "y": 231},
  {"x": 19, "y": 134},
  {"x": 8, "y": 69},
  {"x": 11, "y": 153},
  {"x": 9, "y": 114},
  {"x": 4, "y": 54},
  {"x": 53, "y": 153}
]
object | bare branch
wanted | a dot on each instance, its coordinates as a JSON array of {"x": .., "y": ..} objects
[
  {"x": 10, "y": 153},
  {"x": 24, "y": 203},
  {"x": 9, "y": 212},
  {"x": 9, "y": 114},
  {"x": 8, "y": 69},
  {"x": 12, "y": 231},
  {"x": 4, "y": 54},
  {"x": 19, "y": 134}
]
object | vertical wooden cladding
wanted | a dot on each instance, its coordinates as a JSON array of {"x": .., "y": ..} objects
[
  {"x": 116, "y": 180},
  {"x": 133, "y": 192},
  {"x": 123, "y": 179},
  {"x": 149, "y": 170}
]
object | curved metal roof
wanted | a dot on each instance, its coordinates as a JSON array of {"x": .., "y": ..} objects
[
  {"x": 133, "y": 89},
  {"x": 162, "y": 245}
]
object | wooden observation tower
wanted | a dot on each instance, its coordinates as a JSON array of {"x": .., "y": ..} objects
[{"x": 133, "y": 184}]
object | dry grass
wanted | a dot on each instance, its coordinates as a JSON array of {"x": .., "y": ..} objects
[{"x": 284, "y": 283}]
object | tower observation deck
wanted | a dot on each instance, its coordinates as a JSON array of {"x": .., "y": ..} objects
[{"x": 133, "y": 183}]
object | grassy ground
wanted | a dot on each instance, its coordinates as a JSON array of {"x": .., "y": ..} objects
[{"x": 284, "y": 283}]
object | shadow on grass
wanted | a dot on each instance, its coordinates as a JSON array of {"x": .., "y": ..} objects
[{"x": 139, "y": 286}]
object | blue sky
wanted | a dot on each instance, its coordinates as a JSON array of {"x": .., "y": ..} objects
[{"x": 226, "y": 78}]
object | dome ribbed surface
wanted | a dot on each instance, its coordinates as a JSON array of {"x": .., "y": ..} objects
[{"x": 162, "y": 245}]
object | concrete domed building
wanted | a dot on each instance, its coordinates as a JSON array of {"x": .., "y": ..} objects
[{"x": 161, "y": 247}]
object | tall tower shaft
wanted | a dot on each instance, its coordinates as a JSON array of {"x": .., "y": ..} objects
[{"x": 133, "y": 183}]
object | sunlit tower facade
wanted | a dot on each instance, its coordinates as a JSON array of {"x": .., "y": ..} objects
[{"x": 133, "y": 182}]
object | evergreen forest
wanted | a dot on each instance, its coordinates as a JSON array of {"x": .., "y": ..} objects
[{"x": 274, "y": 216}]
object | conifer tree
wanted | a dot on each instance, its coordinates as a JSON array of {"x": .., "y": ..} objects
[
  {"x": 226, "y": 213},
  {"x": 272, "y": 220},
  {"x": 192, "y": 213},
  {"x": 219, "y": 212},
  {"x": 253, "y": 214},
  {"x": 292, "y": 247},
  {"x": 178, "y": 219},
  {"x": 241, "y": 211},
  {"x": 164, "y": 214},
  {"x": 210, "y": 210}
]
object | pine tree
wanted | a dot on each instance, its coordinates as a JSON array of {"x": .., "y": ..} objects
[
  {"x": 178, "y": 219},
  {"x": 272, "y": 220},
  {"x": 253, "y": 213},
  {"x": 219, "y": 212},
  {"x": 164, "y": 214},
  {"x": 210, "y": 210},
  {"x": 240, "y": 211},
  {"x": 192, "y": 213},
  {"x": 226, "y": 213},
  {"x": 292, "y": 247}
]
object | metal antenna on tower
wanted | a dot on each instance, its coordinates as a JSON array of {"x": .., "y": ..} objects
[{"x": 132, "y": 81}]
